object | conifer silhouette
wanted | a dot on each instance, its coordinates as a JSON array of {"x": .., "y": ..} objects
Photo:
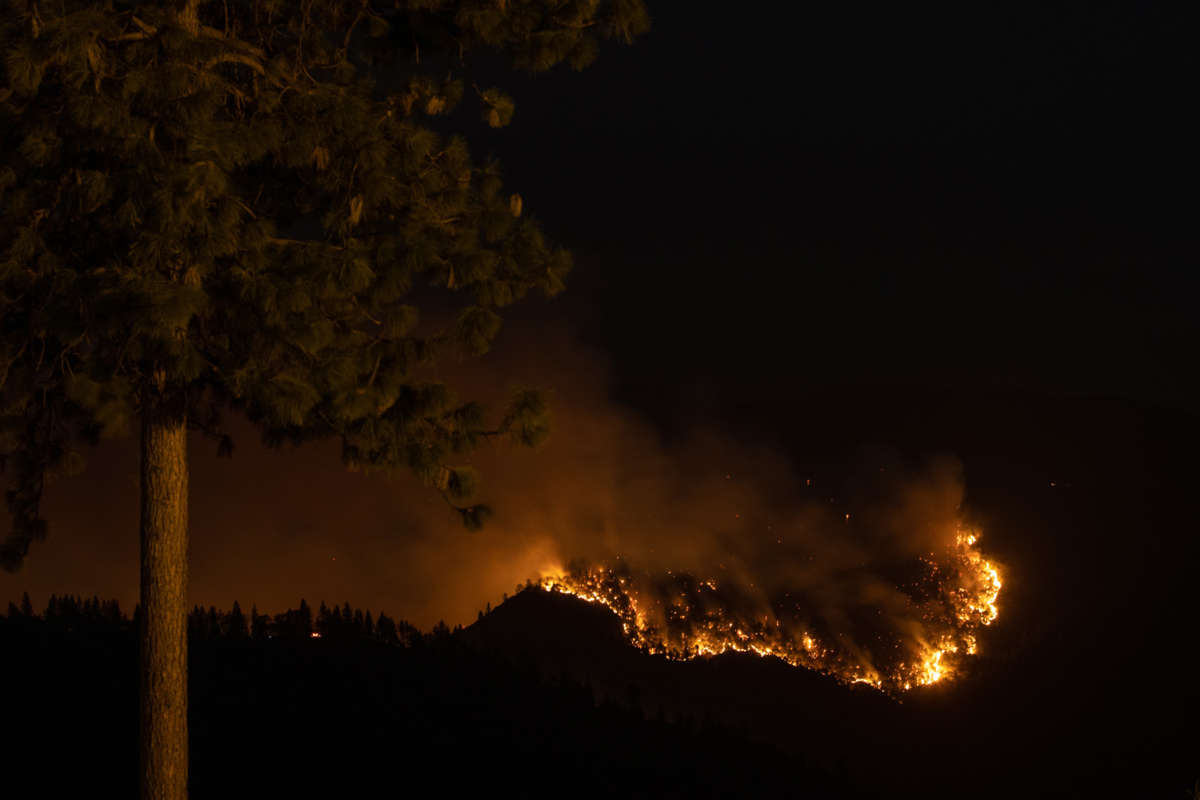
[
  {"x": 235, "y": 623},
  {"x": 209, "y": 206}
]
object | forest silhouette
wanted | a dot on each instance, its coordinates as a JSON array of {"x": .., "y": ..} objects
[{"x": 307, "y": 702}]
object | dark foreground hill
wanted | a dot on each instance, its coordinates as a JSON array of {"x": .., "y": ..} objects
[
  {"x": 543, "y": 697},
  {"x": 1086, "y": 687},
  {"x": 300, "y": 717}
]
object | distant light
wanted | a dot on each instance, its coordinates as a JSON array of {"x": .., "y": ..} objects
[{"x": 315, "y": 635}]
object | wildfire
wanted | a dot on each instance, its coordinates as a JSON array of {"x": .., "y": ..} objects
[{"x": 683, "y": 617}]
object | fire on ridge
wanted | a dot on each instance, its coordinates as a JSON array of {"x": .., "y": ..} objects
[{"x": 682, "y": 617}]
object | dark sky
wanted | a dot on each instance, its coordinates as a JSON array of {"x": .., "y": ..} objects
[
  {"x": 839, "y": 227},
  {"x": 862, "y": 192}
]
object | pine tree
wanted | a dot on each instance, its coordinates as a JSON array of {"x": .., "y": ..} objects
[
  {"x": 408, "y": 634},
  {"x": 112, "y": 612},
  {"x": 197, "y": 627},
  {"x": 258, "y": 624},
  {"x": 69, "y": 609},
  {"x": 235, "y": 623},
  {"x": 385, "y": 629},
  {"x": 324, "y": 620},
  {"x": 303, "y": 620},
  {"x": 208, "y": 206}
]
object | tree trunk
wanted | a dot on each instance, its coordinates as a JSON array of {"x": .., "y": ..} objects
[{"x": 162, "y": 659}]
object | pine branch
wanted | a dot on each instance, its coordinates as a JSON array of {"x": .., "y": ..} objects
[
  {"x": 101, "y": 298},
  {"x": 284, "y": 242},
  {"x": 237, "y": 58},
  {"x": 132, "y": 37},
  {"x": 149, "y": 30},
  {"x": 8, "y": 363}
]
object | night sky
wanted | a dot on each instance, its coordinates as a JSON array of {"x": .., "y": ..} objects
[
  {"x": 829, "y": 233},
  {"x": 870, "y": 193}
]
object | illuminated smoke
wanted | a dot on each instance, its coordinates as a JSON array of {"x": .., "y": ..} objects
[
  {"x": 856, "y": 596},
  {"x": 711, "y": 544}
]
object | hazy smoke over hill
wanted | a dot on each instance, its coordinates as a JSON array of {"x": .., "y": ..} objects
[
  {"x": 269, "y": 527},
  {"x": 882, "y": 575}
]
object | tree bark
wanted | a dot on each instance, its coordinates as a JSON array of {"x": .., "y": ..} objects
[{"x": 164, "y": 573}]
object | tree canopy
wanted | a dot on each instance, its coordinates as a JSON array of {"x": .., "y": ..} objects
[{"x": 240, "y": 204}]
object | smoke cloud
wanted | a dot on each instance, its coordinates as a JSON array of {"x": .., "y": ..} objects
[{"x": 269, "y": 527}]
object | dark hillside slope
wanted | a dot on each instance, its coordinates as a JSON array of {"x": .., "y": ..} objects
[
  {"x": 1082, "y": 688},
  {"x": 303, "y": 718}
]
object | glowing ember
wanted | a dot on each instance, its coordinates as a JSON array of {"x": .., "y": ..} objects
[{"x": 681, "y": 617}]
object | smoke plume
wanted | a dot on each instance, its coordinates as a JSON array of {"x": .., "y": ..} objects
[{"x": 606, "y": 489}]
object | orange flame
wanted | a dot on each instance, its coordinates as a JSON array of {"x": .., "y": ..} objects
[{"x": 968, "y": 584}]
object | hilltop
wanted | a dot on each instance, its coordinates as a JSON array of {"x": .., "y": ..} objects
[{"x": 1003, "y": 729}]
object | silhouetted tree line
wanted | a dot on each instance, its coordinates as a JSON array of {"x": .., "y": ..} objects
[
  {"x": 72, "y": 613},
  {"x": 345, "y": 623},
  {"x": 264, "y": 689},
  {"x": 389, "y": 715}
]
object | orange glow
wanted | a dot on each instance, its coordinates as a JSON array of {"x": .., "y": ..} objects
[{"x": 696, "y": 621}]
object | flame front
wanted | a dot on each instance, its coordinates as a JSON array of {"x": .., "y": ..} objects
[{"x": 681, "y": 617}]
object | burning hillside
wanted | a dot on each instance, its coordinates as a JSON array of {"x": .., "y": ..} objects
[{"x": 947, "y": 599}]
